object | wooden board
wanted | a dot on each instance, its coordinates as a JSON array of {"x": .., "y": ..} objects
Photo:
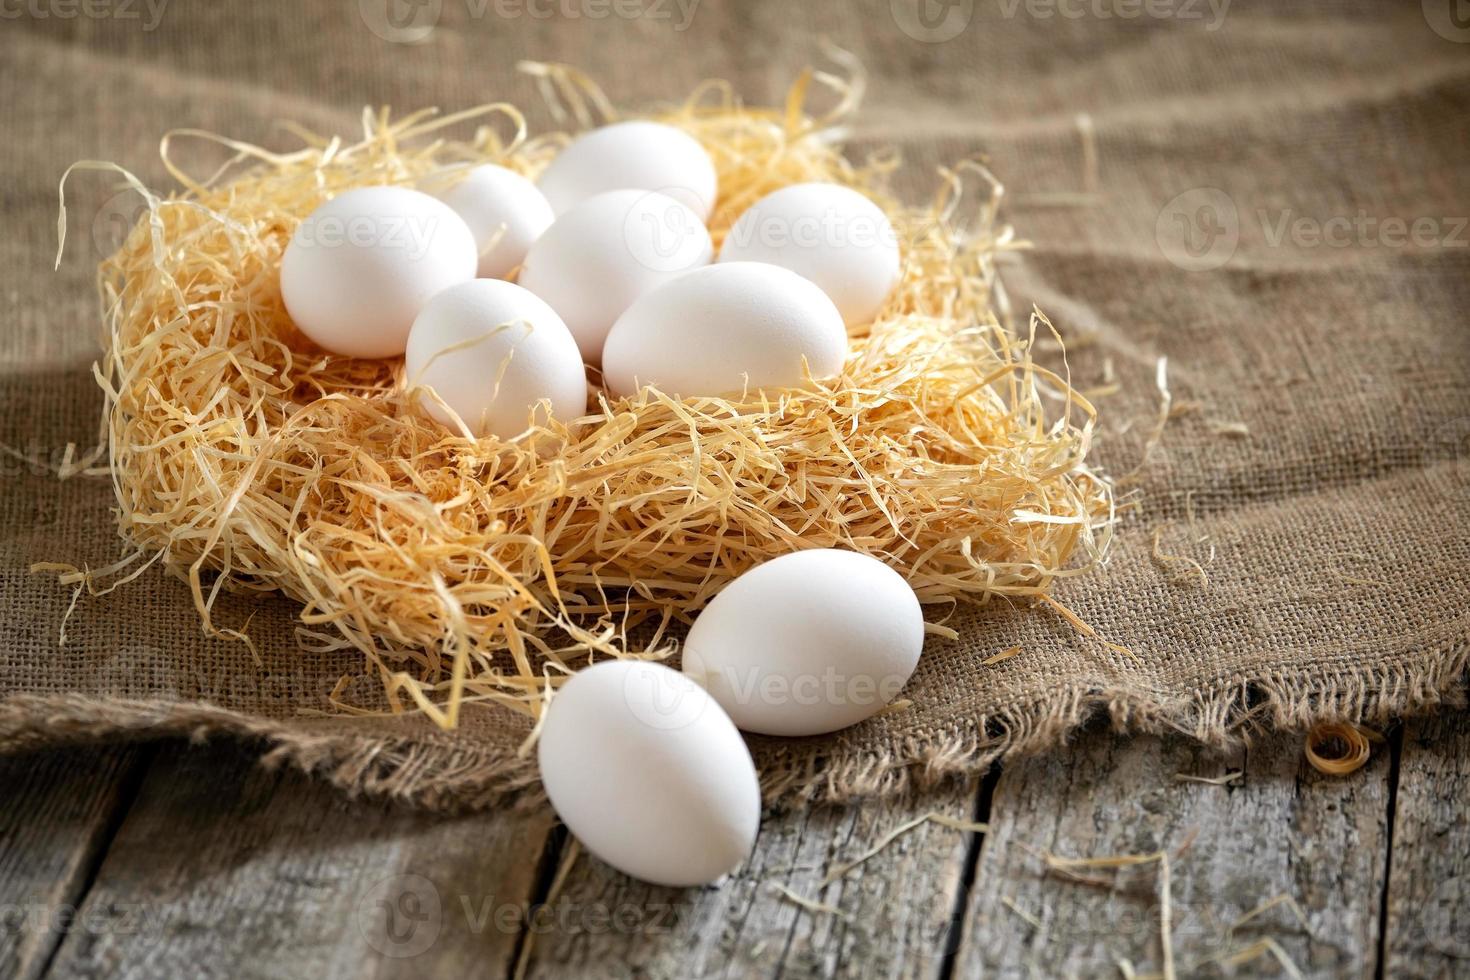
[
  {"x": 199, "y": 863},
  {"x": 223, "y": 869},
  {"x": 1427, "y": 915},
  {"x": 894, "y": 912},
  {"x": 58, "y": 812},
  {"x": 1281, "y": 829}
]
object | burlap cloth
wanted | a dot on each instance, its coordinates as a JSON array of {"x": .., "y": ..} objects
[{"x": 1316, "y": 464}]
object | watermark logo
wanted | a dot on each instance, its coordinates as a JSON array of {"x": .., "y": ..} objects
[
  {"x": 401, "y": 916},
  {"x": 1451, "y": 442},
  {"x": 1199, "y": 229},
  {"x": 932, "y": 21},
  {"x": 1450, "y": 19},
  {"x": 1446, "y": 917},
  {"x": 401, "y": 21},
  {"x": 115, "y": 221},
  {"x": 148, "y": 14},
  {"x": 662, "y": 234},
  {"x": 664, "y": 699}
]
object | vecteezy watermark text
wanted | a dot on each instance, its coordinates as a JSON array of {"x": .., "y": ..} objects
[
  {"x": 1362, "y": 229},
  {"x": 1211, "y": 12},
  {"x": 112, "y": 918},
  {"x": 830, "y": 687},
  {"x": 936, "y": 21},
  {"x": 403, "y": 915},
  {"x": 829, "y": 229},
  {"x": 148, "y": 13},
  {"x": 1200, "y": 229},
  {"x": 414, "y": 21},
  {"x": 411, "y": 234},
  {"x": 1450, "y": 19}
]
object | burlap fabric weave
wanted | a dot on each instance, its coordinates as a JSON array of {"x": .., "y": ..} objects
[{"x": 1309, "y": 289}]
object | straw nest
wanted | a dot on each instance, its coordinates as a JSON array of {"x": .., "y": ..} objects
[{"x": 466, "y": 570}]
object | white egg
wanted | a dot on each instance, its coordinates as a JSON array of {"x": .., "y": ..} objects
[
  {"x": 641, "y": 155},
  {"x": 649, "y": 774},
  {"x": 600, "y": 256},
  {"x": 361, "y": 266},
  {"x": 506, "y": 213},
  {"x": 725, "y": 328},
  {"x": 807, "y": 643},
  {"x": 493, "y": 351},
  {"x": 830, "y": 234}
]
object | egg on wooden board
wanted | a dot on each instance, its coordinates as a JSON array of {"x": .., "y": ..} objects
[
  {"x": 494, "y": 352},
  {"x": 361, "y": 266},
  {"x": 506, "y": 213},
  {"x": 638, "y": 154},
  {"x": 828, "y": 233},
  {"x": 649, "y": 773},
  {"x": 807, "y": 643},
  {"x": 723, "y": 329},
  {"x": 600, "y": 256}
]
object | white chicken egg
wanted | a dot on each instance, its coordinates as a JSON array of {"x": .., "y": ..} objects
[
  {"x": 600, "y": 256},
  {"x": 493, "y": 351},
  {"x": 641, "y": 155},
  {"x": 649, "y": 774},
  {"x": 725, "y": 328},
  {"x": 361, "y": 267},
  {"x": 828, "y": 233},
  {"x": 506, "y": 213},
  {"x": 807, "y": 643}
]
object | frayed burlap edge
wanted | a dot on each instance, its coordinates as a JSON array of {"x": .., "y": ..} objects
[{"x": 425, "y": 774}]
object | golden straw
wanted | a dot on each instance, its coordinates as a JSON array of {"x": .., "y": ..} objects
[{"x": 483, "y": 572}]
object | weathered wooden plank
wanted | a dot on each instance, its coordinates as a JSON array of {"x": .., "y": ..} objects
[
  {"x": 58, "y": 811},
  {"x": 223, "y": 869},
  {"x": 893, "y": 919},
  {"x": 1280, "y": 829},
  {"x": 1427, "y": 922}
]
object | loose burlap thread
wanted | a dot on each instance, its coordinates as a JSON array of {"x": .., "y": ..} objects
[{"x": 1313, "y": 461}]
